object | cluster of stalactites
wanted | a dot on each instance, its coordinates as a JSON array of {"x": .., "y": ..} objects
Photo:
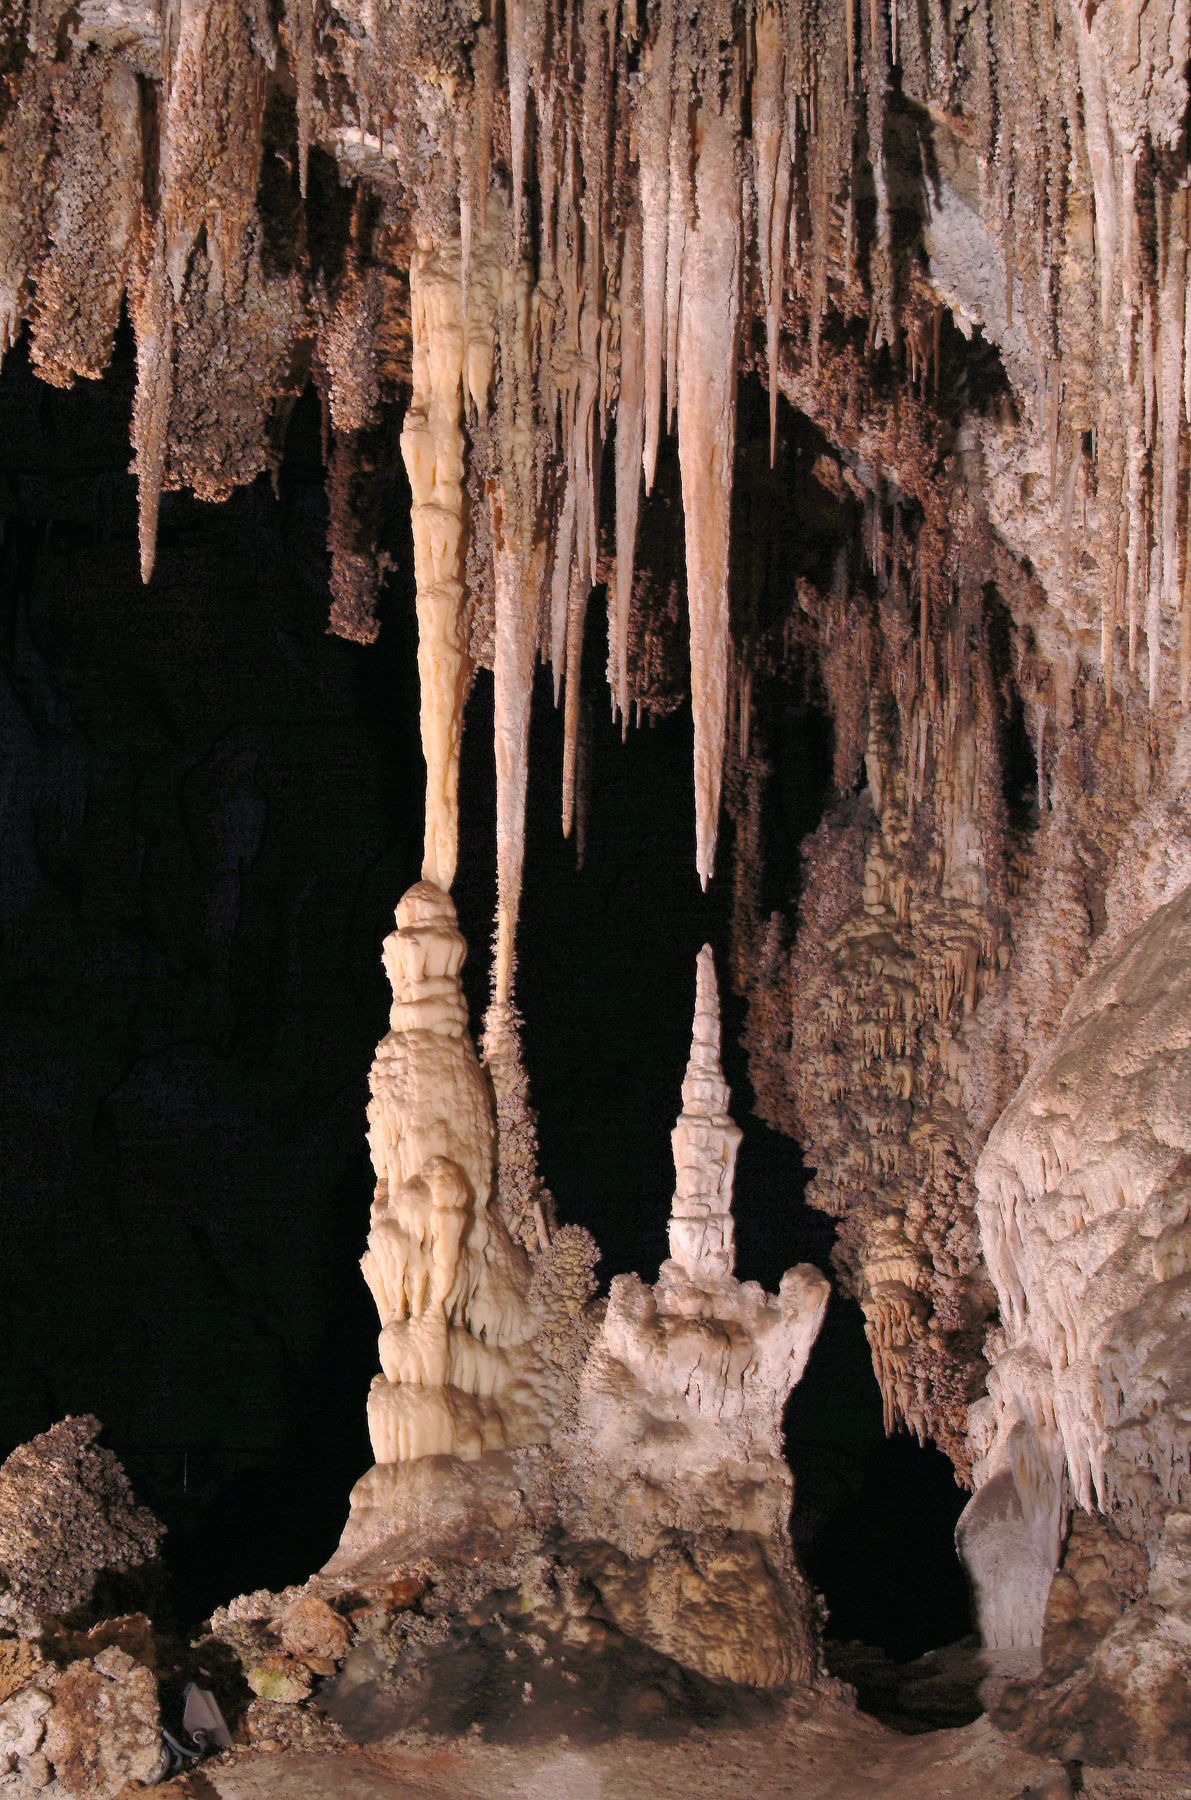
[
  {"x": 1091, "y": 201},
  {"x": 640, "y": 317},
  {"x": 612, "y": 192},
  {"x": 664, "y": 168}
]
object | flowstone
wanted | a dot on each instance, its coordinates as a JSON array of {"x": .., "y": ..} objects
[{"x": 1085, "y": 1202}]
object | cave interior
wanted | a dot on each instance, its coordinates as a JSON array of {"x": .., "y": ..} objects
[{"x": 605, "y": 480}]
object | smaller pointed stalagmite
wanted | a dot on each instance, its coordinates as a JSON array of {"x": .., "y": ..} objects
[
  {"x": 680, "y": 1415},
  {"x": 706, "y": 1140}
]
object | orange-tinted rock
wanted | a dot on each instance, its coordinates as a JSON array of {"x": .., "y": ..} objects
[{"x": 312, "y": 1629}]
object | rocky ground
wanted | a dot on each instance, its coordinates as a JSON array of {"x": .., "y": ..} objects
[
  {"x": 494, "y": 1681},
  {"x": 813, "y": 1746}
]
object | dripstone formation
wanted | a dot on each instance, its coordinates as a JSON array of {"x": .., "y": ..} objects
[
  {"x": 547, "y": 254},
  {"x": 680, "y": 1418},
  {"x": 643, "y": 1448}
]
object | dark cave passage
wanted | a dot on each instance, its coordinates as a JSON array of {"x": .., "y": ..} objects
[{"x": 210, "y": 809}]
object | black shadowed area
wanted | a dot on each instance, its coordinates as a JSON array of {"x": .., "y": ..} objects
[{"x": 210, "y": 809}]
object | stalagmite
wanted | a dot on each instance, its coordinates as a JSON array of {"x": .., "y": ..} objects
[
  {"x": 460, "y": 1375},
  {"x": 706, "y": 1140},
  {"x": 680, "y": 1408},
  {"x": 707, "y": 351}
]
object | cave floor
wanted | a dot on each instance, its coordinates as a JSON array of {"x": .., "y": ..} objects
[{"x": 820, "y": 1748}]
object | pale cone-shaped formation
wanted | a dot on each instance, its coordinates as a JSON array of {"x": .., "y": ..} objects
[
  {"x": 518, "y": 568},
  {"x": 681, "y": 1402},
  {"x": 453, "y": 355},
  {"x": 460, "y": 1375},
  {"x": 432, "y": 447},
  {"x": 706, "y": 1140},
  {"x": 707, "y": 350}
]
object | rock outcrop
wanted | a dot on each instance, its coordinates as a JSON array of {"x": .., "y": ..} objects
[
  {"x": 79, "y": 1710},
  {"x": 68, "y": 1521}
]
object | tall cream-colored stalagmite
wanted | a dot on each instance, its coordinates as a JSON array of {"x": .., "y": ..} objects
[
  {"x": 460, "y": 1372},
  {"x": 707, "y": 349},
  {"x": 432, "y": 446}
]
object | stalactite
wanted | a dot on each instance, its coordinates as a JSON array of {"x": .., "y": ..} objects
[
  {"x": 1171, "y": 334},
  {"x": 153, "y": 320},
  {"x": 653, "y": 151},
  {"x": 517, "y": 62},
  {"x": 300, "y": 23},
  {"x": 630, "y": 433},
  {"x": 522, "y": 1198},
  {"x": 678, "y": 211},
  {"x": 213, "y": 112},
  {"x": 572, "y": 698},
  {"x": 432, "y": 447},
  {"x": 519, "y": 561},
  {"x": 95, "y": 180},
  {"x": 25, "y": 149},
  {"x": 707, "y": 351},
  {"x": 773, "y": 173}
]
